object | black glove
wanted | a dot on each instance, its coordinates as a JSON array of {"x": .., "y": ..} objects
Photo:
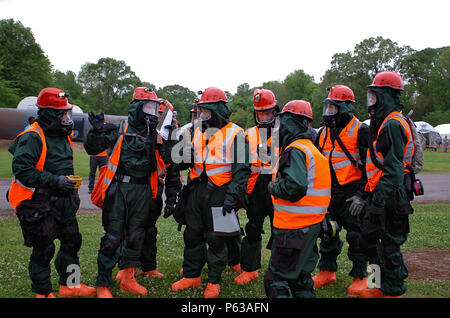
[
  {"x": 97, "y": 121},
  {"x": 374, "y": 213},
  {"x": 168, "y": 210},
  {"x": 65, "y": 184},
  {"x": 270, "y": 187},
  {"x": 228, "y": 206}
]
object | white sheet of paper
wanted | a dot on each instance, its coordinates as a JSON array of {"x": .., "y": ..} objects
[
  {"x": 166, "y": 119},
  {"x": 225, "y": 225}
]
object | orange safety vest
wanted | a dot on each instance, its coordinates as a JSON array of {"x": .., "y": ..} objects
[
  {"x": 345, "y": 171},
  {"x": 373, "y": 173},
  {"x": 19, "y": 192},
  {"x": 216, "y": 157},
  {"x": 113, "y": 163},
  {"x": 254, "y": 139},
  {"x": 311, "y": 208}
]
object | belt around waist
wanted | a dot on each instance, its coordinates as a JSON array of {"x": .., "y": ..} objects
[{"x": 131, "y": 179}]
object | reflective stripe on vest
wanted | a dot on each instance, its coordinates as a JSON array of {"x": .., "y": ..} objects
[
  {"x": 254, "y": 139},
  {"x": 373, "y": 172},
  {"x": 216, "y": 157},
  {"x": 113, "y": 163},
  {"x": 345, "y": 171},
  {"x": 18, "y": 191},
  {"x": 311, "y": 208}
]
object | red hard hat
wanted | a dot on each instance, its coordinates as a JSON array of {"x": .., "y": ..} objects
[
  {"x": 144, "y": 93},
  {"x": 298, "y": 107},
  {"x": 388, "y": 78},
  {"x": 163, "y": 103},
  {"x": 263, "y": 99},
  {"x": 52, "y": 97},
  {"x": 341, "y": 93},
  {"x": 212, "y": 95}
]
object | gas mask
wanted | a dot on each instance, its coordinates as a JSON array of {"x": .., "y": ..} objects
[
  {"x": 150, "y": 114},
  {"x": 265, "y": 118},
  {"x": 330, "y": 113},
  {"x": 66, "y": 122},
  {"x": 205, "y": 116}
]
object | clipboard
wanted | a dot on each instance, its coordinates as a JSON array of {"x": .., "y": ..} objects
[
  {"x": 164, "y": 120},
  {"x": 227, "y": 225}
]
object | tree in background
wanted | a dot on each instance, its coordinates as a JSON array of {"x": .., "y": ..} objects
[
  {"x": 25, "y": 66},
  {"x": 356, "y": 69},
  {"x": 428, "y": 89},
  {"x": 108, "y": 85},
  {"x": 181, "y": 98},
  {"x": 68, "y": 83}
]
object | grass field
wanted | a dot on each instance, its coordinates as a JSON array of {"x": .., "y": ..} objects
[{"x": 429, "y": 229}]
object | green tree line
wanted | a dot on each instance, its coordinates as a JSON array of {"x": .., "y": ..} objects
[{"x": 108, "y": 84}]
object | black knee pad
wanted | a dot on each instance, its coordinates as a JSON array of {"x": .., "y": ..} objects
[
  {"x": 135, "y": 239},
  {"x": 71, "y": 243},
  {"x": 150, "y": 235},
  {"x": 252, "y": 232},
  {"x": 215, "y": 243},
  {"x": 109, "y": 243},
  {"x": 192, "y": 237},
  {"x": 45, "y": 255}
]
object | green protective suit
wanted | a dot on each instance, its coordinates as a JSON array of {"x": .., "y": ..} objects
[
  {"x": 386, "y": 223},
  {"x": 294, "y": 252},
  {"x": 50, "y": 214},
  {"x": 128, "y": 201},
  {"x": 171, "y": 185},
  {"x": 339, "y": 207},
  {"x": 199, "y": 232}
]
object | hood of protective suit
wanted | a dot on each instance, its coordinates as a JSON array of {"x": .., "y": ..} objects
[
  {"x": 219, "y": 108},
  {"x": 388, "y": 101},
  {"x": 136, "y": 116},
  {"x": 292, "y": 127},
  {"x": 49, "y": 120}
]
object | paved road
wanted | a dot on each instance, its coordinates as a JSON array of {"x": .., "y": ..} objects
[{"x": 437, "y": 189}]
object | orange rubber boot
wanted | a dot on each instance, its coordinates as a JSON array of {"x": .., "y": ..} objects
[
  {"x": 76, "y": 291},
  {"x": 153, "y": 273},
  {"x": 103, "y": 292},
  {"x": 212, "y": 290},
  {"x": 51, "y": 295},
  {"x": 246, "y": 277},
  {"x": 119, "y": 275},
  {"x": 323, "y": 278},
  {"x": 236, "y": 268},
  {"x": 357, "y": 286},
  {"x": 129, "y": 283},
  {"x": 186, "y": 283},
  {"x": 375, "y": 293}
]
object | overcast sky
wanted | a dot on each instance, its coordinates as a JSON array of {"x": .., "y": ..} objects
[{"x": 202, "y": 43}]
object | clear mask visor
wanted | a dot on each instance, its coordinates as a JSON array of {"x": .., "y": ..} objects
[
  {"x": 265, "y": 116},
  {"x": 203, "y": 114},
  {"x": 371, "y": 98},
  {"x": 151, "y": 108},
  {"x": 66, "y": 118},
  {"x": 330, "y": 109}
]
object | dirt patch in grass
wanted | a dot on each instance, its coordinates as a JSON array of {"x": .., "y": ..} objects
[{"x": 429, "y": 263}]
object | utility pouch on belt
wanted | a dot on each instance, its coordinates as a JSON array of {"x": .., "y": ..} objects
[
  {"x": 180, "y": 205},
  {"x": 32, "y": 215}
]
